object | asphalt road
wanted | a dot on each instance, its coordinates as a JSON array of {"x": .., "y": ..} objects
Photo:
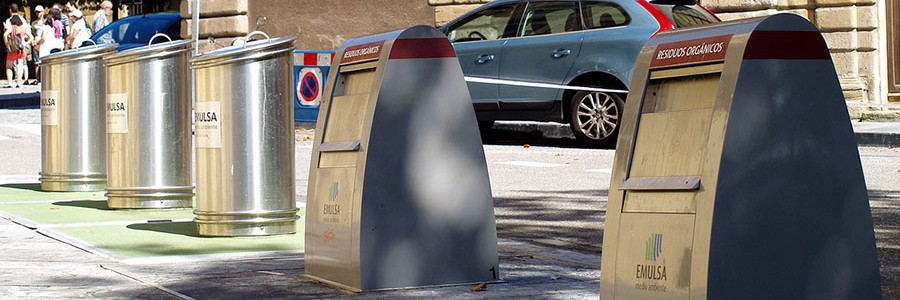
[
  {"x": 553, "y": 193},
  {"x": 548, "y": 192}
]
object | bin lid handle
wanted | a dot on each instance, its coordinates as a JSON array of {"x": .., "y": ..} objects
[
  {"x": 258, "y": 32},
  {"x": 158, "y": 35}
]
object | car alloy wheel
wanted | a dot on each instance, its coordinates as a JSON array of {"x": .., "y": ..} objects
[{"x": 596, "y": 116}]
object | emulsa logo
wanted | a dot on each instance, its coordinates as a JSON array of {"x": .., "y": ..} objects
[
  {"x": 650, "y": 269},
  {"x": 115, "y": 106},
  {"x": 206, "y": 116}
]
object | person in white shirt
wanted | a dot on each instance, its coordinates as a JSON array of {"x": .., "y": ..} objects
[
  {"x": 80, "y": 33},
  {"x": 52, "y": 36},
  {"x": 100, "y": 20}
]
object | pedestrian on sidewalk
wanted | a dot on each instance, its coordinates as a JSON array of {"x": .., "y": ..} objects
[
  {"x": 64, "y": 19},
  {"x": 16, "y": 35},
  {"x": 100, "y": 20},
  {"x": 53, "y": 39},
  {"x": 37, "y": 28},
  {"x": 80, "y": 33}
]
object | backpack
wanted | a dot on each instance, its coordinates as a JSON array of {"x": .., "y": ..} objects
[{"x": 14, "y": 43}]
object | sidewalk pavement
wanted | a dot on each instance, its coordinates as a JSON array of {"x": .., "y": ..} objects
[
  {"x": 877, "y": 134},
  {"x": 41, "y": 267},
  {"x": 27, "y": 95}
]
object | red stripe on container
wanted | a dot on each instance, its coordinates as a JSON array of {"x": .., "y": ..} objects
[
  {"x": 786, "y": 45},
  {"x": 422, "y": 48}
]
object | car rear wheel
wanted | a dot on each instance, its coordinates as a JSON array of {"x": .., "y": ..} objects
[{"x": 595, "y": 117}]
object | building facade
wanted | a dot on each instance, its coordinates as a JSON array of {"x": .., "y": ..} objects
[
  {"x": 317, "y": 25},
  {"x": 863, "y": 35}
]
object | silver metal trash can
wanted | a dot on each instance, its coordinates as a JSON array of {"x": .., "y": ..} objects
[
  {"x": 73, "y": 119},
  {"x": 148, "y": 111},
  {"x": 244, "y": 137}
]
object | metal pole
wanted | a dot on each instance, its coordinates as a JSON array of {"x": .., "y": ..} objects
[{"x": 195, "y": 16}]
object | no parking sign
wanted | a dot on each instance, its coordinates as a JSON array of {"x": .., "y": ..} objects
[
  {"x": 310, "y": 86},
  {"x": 311, "y": 69}
]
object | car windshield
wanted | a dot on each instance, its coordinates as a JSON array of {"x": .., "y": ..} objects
[
  {"x": 133, "y": 30},
  {"x": 686, "y": 15}
]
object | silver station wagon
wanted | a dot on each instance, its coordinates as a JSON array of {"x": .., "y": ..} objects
[{"x": 567, "y": 61}]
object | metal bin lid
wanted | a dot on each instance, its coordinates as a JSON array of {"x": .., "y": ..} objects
[
  {"x": 149, "y": 52},
  {"x": 82, "y": 53},
  {"x": 253, "y": 50}
]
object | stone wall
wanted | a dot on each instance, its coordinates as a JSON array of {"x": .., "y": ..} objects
[
  {"x": 220, "y": 20},
  {"x": 851, "y": 29},
  {"x": 447, "y": 10},
  {"x": 317, "y": 25},
  {"x": 325, "y": 25}
]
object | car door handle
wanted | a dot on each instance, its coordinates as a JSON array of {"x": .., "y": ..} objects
[
  {"x": 560, "y": 53},
  {"x": 484, "y": 58}
]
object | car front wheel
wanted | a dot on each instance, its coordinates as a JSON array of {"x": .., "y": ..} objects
[{"x": 595, "y": 117}]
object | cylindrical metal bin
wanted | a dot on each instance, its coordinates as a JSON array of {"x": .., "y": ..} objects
[
  {"x": 73, "y": 119},
  {"x": 148, "y": 118},
  {"x": 244, "y": 137}
]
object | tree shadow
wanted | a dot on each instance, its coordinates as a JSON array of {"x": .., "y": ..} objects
[
  {"x": 188, "y": 228},
  {"x": 572, "y": 220},
  {"x": 885, "y": 206}
]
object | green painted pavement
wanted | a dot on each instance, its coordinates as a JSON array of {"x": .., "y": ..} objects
[
  {"x": 84, "y": 216},
  {"x": 88, "y": 211},
  {"x": 177, "y": 238},
  {"x": 51, "y": 208},
  {"x": 32, "y": 192}
]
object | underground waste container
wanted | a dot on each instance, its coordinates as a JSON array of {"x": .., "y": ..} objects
[
  {"x": 148, "y": 111},
  {"x": 244, "y": 137},
  {"x": 73, "y": 119}
]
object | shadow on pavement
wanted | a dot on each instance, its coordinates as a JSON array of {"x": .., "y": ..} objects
[
  {"x": 92, "y": 204},
  {"x": 571, "y": 220},
  {"x": 22, "y": 107},
  {"x": 886, "y": 216},
  {"x": 533, "y": 138},
  {"x": 181, "y": 228},
  {"x": 23, "y": 186}
]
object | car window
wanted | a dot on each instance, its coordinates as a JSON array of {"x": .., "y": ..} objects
[
  {"x": 113, "y": 33},
  {"x": 488, "y": 24},
  {"x": 136, "y": 30},
  {"x": 686, "y": 16},
  {"x": 550, "y": 17},
  {"x": 599, "y": 14},
  {"x": 689, "y": 16}
]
